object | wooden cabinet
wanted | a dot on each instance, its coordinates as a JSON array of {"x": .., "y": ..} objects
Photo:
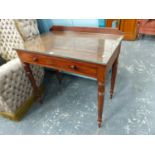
[{"x": 128, "y": 26}]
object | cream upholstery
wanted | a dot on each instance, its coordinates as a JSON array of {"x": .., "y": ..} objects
[
  {"x": 15, "y": 87},
  {"x": 9, "y": 38},
  {"x": 28, "y": 28}
]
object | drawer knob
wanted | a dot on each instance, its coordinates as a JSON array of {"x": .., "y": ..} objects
[
  {"x": 73, "y": 67},
  {"x": 35, "y": 59}
]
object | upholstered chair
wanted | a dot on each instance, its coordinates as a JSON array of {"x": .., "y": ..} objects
[{"x": 16, "y": 93}]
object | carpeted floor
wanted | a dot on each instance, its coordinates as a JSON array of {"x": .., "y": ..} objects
[{"x": 71, "y": 108}]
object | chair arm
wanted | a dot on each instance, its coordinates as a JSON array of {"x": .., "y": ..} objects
[
  {"x": 8, "y": 69},
  {"x": 15, "y": 86},
  {"x": 8, "y": 72},
  {"x": 15, "y": 67}
]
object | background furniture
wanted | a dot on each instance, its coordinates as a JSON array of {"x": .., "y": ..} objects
[
  {"x": 128, "y": 26},
  {"x": 16, "y": 93},
  {"x": 112, "y": 23},
  {"x": 146, "y": 26}
]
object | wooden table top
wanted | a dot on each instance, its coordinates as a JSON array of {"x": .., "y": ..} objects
[{"x": 83, "y": 46}]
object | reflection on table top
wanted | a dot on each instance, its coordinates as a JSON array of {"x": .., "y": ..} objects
[{"x": 91, "y": 47}]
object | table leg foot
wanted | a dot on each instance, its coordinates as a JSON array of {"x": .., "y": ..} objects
[
  {"x": 111, "y": 95},
  {"x": 99, "y": 124}
]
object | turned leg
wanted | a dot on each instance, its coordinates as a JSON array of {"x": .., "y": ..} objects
[
  {"x": 32, "y": 80},
  {"x": 113, "y": 77},
  {"x": 101, "y": 89}
]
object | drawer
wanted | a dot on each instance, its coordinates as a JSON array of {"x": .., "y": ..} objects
[
  {"x": 64, "y": 64},
  {"x": 79, "y": 68}
]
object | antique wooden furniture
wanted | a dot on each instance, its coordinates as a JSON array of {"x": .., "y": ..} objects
[
  {"x": 146, "y": 26},
  {"x": 81, "y": 50},
  {"x": 128, "y": 26}
]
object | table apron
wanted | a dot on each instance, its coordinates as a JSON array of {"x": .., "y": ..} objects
[{"x": 62, "y": 64}]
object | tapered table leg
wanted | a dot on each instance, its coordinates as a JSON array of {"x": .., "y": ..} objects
[
  {"x": 32, "y": 80},
  {"x": 101, "y": 89},
  {"x": 113, "y": 77}
]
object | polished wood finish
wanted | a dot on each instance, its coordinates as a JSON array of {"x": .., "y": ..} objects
[
  {"x": 84, "y": 46},
  {"x": 61, "y": 64},
  {"x": 129, "y": 27},
  {"x": 114, "y": 73},
  {"x": 96, "y": 64},
  {"x": 109, "y": 22},
  {"x": 87, "y": 29},
  {"x": 113, "y": 77},
  {"x": 101, "y": 77}
]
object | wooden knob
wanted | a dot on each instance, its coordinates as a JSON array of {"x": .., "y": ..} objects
[
  {"x": 73, "y": 67},
  {"x": 35, "y": 59}
]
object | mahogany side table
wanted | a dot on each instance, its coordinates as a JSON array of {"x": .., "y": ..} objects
[{"x": 81, "y": 50}]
